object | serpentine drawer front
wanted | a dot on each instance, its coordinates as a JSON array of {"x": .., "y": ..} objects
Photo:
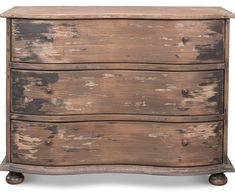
[{"x": 117, "y": 89}]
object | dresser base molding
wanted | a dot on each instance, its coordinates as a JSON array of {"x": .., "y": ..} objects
[{"x": 137, "y": 169}]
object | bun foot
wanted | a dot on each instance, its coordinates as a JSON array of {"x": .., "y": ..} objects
[
  {"x": 14, "y": 178},
  {"x": 218, "y": 179}
]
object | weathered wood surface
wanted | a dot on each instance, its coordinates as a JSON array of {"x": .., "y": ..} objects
[
  {"x": 118, "y": 66},
  {"x": 102, "y": 12},
  {"x": 8, "y": 87},
  {"x": 117, "y": 91},
  {"x": 116, "y": 142},
  {"x": 114, "y": 168},
  {"x": 226, "y": 90},
  {"x": 119, "y": 40}
]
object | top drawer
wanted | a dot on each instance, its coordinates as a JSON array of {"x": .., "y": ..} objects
[{"x": 118, "y": 40}]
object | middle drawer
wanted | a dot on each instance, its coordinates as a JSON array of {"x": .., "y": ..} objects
[{"x": 117, "y": 91}]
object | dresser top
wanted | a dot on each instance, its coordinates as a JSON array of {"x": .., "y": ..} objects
[{"x": 92, "y": 12}]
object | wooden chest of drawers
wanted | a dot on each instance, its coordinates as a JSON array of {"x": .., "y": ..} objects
[{"x": 117, "y": 89}]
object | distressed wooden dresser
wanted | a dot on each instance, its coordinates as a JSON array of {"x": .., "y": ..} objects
[{"x": 117, "y": 89}]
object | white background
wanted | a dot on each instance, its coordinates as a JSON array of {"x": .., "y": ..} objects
[{"x": 118, "y": 182}]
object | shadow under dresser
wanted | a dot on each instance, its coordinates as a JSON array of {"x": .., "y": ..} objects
[{"x": 117, "y": 89}]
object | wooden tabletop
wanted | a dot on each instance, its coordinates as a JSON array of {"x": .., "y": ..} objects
[{"x": 92, "y": 12}]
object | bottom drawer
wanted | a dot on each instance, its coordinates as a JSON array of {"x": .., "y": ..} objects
[{"x": 116, "y": 142}]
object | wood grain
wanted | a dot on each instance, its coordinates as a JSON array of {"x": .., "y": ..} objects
[
  {"x": 117, "y": 91},
  {"x": 107, "y": 12},
  {"x": 226, "y": 90},
  {"x": 119, "y": 40},
  {"x": 8, "y": 89},
  {"x": 117, "y": 142}
]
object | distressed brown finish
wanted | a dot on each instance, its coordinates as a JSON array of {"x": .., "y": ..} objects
[
  {"x": 117, "y": 91},
  {"x": 226, "y": 88},
  {"x": 143, "y": 143},
  {"x": 8, "y": 88},
  {"x": 102, "y": 12},
  {"x": 150, "y": 41}
]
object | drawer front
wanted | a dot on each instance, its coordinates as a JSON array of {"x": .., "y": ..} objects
[
  {"x": 119, "y": 40},
  {"x": 146, "y": 143},
  {"x": 117, "y": 91}
]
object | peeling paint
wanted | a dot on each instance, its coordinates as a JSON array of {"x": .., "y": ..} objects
[
  {"x": 90, "y": 83},
  {"x": 108, "y": 75},
  {"x": 142, "y": 103},
  {"x": 180, "y": 44},
  {"x": 87, "y": 144},
  {"x": 162, "y": 89},
  {"x": 166, "y": 38},
  {"x": 27, "y": 144},
  {"x": 170, "y": 104},
  {"x": 158, "y": 135},
  {"x": 127, "y": 104}
]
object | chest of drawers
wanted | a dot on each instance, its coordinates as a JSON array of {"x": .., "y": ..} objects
[{"x": 117, "y": 89}]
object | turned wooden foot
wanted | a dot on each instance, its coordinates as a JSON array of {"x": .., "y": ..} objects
[
  {"x": 14, "y": 178},
  {"x": 218, "y": 179}
]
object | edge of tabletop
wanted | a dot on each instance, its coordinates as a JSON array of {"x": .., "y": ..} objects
[{"x": 116, "y": 12}]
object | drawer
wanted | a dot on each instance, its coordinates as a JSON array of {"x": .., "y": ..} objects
[
  {"x": 118, "y": 40},
  {"x": 117, "y": 91},
  {"x": 141, "y": 143}
]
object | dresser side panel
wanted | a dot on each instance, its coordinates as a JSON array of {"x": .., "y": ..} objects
[
  {"x": 226, "y": 90},
  {"x": 8, "y": 87}
]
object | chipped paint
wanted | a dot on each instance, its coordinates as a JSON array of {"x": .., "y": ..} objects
[
  {"x": 87, "y": 144},
  {"x": 206, "y": 133},
  {"x": 80, "y": 143},
  {"x": 27, "y": 144},
  {"x": 57, "y": 101},
  {"x": 90, "y": 83},
  {"x": 69, "y": 105},
  {"x": 170, "y": 104},
  {"x": 127, "y": 104},
  {"x": 180, "y": 44},
  {"x": 162, "y": 89},
  {"x": 51, "y": 41},
  {"x": 108, "y": 75},
  {"x": 202, "y": 95},
  {"x": 141, "y": 103},
  {"x": 166, "y": 38},
  {"x": 158, "y": 135}
]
